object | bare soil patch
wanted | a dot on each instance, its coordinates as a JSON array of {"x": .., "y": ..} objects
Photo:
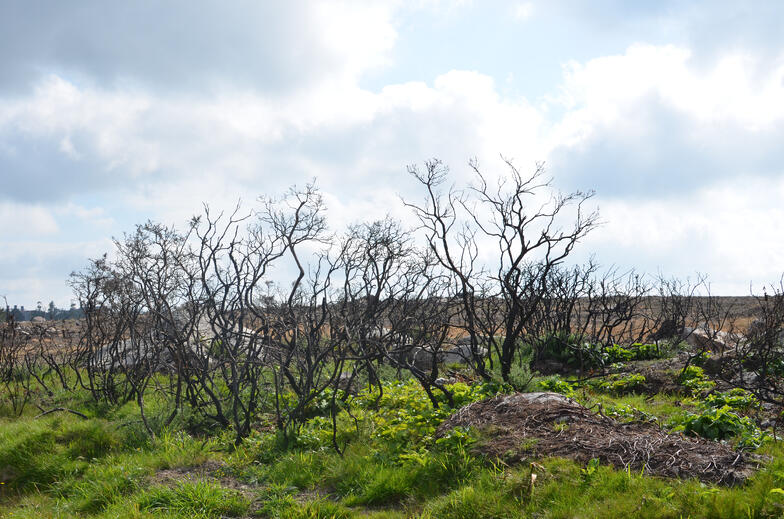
[{"x": 525, "y": 425}]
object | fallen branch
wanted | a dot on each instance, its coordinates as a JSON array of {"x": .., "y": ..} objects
[{"x": 64, "y": 409}]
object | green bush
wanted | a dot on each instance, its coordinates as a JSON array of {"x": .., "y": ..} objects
[
  {"x": 101, "y": 485},
  {"x": 646, "y": 351},
  {"x": 34, "y": 454},
  {"x": 405, "y": 419},
  {"x": 617, "y": 353},
  {"x": 568, "y": 349},
  {"x": 276, "y": 502},
  {"x": 387, "y": 485}
]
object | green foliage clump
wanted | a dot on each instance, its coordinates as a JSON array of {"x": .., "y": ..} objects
[
  {"x": 38, "y": 453},
  {"x": 568, "y": 350},
  {"x": 557, "y": 385},
  {"x": 637, "y": 351},
  {"x": 736, "y": 398},
  {"x": 721, "y": 423},
  {"x": 471, "y": 502},
  {"x": 101, "y": 485},
  {"x": 695, "y": 379},
  {"x": 572, "y": 351},
  {"x": 321, "y": 509},
  {"x": 405, "y": 419},
  {"x": 622, "y": 384},
  {"x": 719, "y": 418},
  {"x": 278, "y": 502}
]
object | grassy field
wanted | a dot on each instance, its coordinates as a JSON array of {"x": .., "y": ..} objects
[{"x": 392, "y": 462}]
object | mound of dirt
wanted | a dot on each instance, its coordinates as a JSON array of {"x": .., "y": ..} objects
[{"x": 524, "y": 425}]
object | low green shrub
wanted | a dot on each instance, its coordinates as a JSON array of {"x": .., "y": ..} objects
[
  {"x": 568, "y": 350},
  {"x": 275, "y": 502},
  {"x": 101, "y": 485},
  {"x": 386, "y": 485},
  {"x": 34, "y": 454},
  {"x": 573, "y": 351},
  {"x": 405, "y": 420}
]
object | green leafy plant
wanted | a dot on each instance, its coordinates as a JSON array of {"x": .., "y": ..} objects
[
  {"x": 722, "y": 423},
  {"x": 694, "y": 379},
  {"x": 735, "y": 398},
  {"x": 647, "y": 351},
  {"x": 621, "y": 384},
  {"x": 557, "y": 385},
  {"x": 589, "y": 471}
]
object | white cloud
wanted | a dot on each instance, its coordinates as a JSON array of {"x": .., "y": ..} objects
[
  {"x": 523, "y": 10},
  {"x": 25, "y": 220},
  {"x": 605, "y": 91},
  {"x": 160, "y": 154},
  {"x": 36, "y": 270},
  {"x": 729, "y": 231}
]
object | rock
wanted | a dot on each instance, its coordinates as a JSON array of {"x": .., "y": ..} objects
[
  {"x": 38, "y": 319},
  {"x": 482, "y": 340},
  {"x": 423, "y": 357},
  {"x": 542, "y": 398},
  {"x": 700, "y": 338},
  {"x": 461, "y": 354}
]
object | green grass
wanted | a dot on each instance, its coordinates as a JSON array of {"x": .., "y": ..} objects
[
  {"x": 200, "y": 499},
  {"x": 61, "y": 466}
]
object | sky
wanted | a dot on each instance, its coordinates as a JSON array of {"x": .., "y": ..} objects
[{"x": 113, "y": 113}]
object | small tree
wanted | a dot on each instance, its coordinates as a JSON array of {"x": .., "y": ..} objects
[{"x": 526, "y": 221}]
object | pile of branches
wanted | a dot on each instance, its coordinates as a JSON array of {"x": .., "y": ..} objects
[{"x": 526, "y": 425}]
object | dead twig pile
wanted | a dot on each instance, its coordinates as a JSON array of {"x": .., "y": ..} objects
[{"x": 525, "y": 425}]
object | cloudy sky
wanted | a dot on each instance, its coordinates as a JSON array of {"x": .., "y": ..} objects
[{"x": 115, "y": 112}]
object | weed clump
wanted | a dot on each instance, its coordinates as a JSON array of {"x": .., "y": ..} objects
[{"x": 201, "y": 498}]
